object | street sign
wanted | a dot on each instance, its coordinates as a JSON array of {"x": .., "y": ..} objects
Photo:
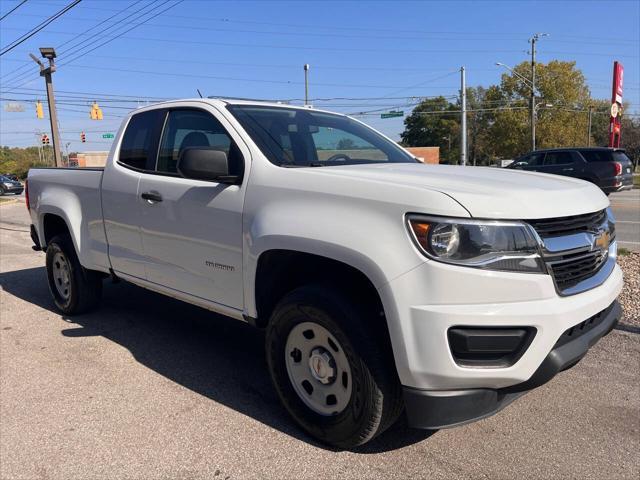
[
  {"x": 107, "y": 135},
  {"x": 13, "y": 107},
  {"x": 392, "y": 113}
]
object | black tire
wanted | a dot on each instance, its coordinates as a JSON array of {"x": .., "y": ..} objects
[
  {"x": 2, "y": 191},
  {"x": 376, "y": 397},
  {"x": 84, "y": 287}
]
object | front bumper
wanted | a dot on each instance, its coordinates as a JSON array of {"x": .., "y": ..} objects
[
  {"x": 425, "y": 303},
  {"x": 16, "y": 190},
  {"x": 449, "y": 408}
]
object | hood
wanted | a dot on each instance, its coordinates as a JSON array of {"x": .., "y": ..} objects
[{"x": 488, "y": 192}]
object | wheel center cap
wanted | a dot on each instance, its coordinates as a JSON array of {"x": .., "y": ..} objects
[{"x": 322, "y": 365}]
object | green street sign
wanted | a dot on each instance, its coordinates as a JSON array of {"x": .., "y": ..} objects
[
  {"x": 107, "y": 135},
  {"x": 392, "y": 113}
]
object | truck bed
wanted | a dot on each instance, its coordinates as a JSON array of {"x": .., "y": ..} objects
[{"x": 74, "y": 195}]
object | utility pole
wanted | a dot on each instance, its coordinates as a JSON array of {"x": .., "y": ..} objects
[
  {"x": 589, "y": 128},
  {"x": 463, "y": 120},
  {"x": 533, "y": 40},
  {"x": 50, "y": 54},
  {"x": 306, "y": 84}
]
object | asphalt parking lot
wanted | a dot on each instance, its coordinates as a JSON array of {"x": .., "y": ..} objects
[{"x": 149, "y": 387}]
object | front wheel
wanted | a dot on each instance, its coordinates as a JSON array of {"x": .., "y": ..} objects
[
  {"x": 331, "y": 368},
  {"x": 74, "y": 288}
]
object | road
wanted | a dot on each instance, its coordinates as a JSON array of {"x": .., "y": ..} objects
[
  {"x": 626, "y": 208},
  {"x": 149, "y": 387}
]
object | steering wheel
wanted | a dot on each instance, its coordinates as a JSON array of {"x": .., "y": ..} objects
[{"x": 338, "y": 156}]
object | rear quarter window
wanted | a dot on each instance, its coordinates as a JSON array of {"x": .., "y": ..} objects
[
  {"x": 596, "y": 156},
  {"x": 140, "y": 140}
]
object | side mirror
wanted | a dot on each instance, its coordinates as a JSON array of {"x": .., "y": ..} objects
[
  {"x": 205, "y": 163},
  {"x": 519, "y": 164}
]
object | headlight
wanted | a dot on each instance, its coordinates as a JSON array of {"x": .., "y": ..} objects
[
  {"x": 487, "y": 244},
  {"x": 7, "y": 184}
]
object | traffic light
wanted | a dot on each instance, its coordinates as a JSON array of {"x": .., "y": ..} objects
[
  {"x": 39, "y": 111},
  {"x": 83, "y": 137},
  {"x": 46, "y": 137},
  {"x": 96, "y": 112},
  {"x": 43, "y": 138}
]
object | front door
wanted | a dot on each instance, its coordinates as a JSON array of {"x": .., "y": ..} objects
[
  {"x": 558, "y": 163},
  {"x": 192, "y": 229}
]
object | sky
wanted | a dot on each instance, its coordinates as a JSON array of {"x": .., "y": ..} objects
[{"x": 363, "y": 56}]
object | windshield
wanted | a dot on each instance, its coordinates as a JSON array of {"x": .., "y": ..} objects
[{"x": 291, "y": 137}]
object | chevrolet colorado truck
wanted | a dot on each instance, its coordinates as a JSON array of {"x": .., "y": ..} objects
[{"x": 384, "y": 286}]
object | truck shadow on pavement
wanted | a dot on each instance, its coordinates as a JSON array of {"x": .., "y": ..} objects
[{"x": 210, "y": 354}]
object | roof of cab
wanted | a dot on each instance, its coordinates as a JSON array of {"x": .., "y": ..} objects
[{"x": 223, "y": 101}]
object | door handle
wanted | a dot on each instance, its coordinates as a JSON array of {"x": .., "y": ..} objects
[
  {"x": 567, "y": 169},
  {"x": 151, "y": 197}
]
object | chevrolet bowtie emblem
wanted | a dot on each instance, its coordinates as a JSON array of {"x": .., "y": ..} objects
[{"x": 601, "y": 240}]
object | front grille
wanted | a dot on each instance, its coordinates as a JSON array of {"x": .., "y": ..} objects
[
  {"x": 572, "y": 259},
  {"x": 570, "y": 270},
  {"x": 553, "y": 227}
]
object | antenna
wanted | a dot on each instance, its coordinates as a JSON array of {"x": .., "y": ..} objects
[{"x": 198, "y": 90}]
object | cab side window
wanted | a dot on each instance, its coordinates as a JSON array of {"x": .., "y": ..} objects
[
  {"x": 558, "y": 158},
  {"x": 534, "y": 159},
  {"x": 194, "y": 128},
  {"x": 139, "y": 142}
]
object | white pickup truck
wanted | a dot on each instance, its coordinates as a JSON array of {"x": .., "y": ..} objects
[{"x": 384, "y": 285}]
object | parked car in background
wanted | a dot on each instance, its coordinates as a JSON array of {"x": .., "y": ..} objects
[
  {"x": 8, "y": 185},
  {"x": 608, "y": 168},
  {"x": 11, "y": 176}
]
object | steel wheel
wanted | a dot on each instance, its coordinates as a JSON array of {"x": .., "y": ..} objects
[
  {"x": 318, "y": 369},
  {"x": 61, "y": 275}
]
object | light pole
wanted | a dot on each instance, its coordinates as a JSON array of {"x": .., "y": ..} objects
[
  {"x": 532, "y": 107},
  {"x": 50, "y": 54},
  {"x": 306, "y": 84},
  {"x": 533, "y": 40}
]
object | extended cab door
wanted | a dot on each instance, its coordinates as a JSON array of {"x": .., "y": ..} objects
[
  {"x": 192, "y": 229},
  {"x": 119, "y": 190}
]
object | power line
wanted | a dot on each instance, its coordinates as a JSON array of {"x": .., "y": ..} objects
[
  {"x": 37, "y": 28},
  {"x": 333, "y": 34},
  {"x": 155, "y": 8},
  {"x": 12, "y": 10},
  {"x": 275, "y": 65},
  {"x": 58, "y": 47},
  {"x": 21, "y": 76}
]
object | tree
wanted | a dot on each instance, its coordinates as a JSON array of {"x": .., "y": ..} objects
[
  {"x": 433, "y": 123},
  {"x": 630, "y": 138},
  {"x": 561, "y": 100}
]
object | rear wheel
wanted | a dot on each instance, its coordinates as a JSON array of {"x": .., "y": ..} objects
[
  {"x": 74, "y": 288},
  {"x": 332, "y": 370}
]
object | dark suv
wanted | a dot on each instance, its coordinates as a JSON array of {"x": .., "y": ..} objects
[{"x": 609, "y": 168}]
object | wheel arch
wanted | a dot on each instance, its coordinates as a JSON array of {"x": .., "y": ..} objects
[{"x": 279, "y": 271}]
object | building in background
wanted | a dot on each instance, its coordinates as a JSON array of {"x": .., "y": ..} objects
[
  {"x": 426, "y": 154},
  {"x": 88, "y": 159}
]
